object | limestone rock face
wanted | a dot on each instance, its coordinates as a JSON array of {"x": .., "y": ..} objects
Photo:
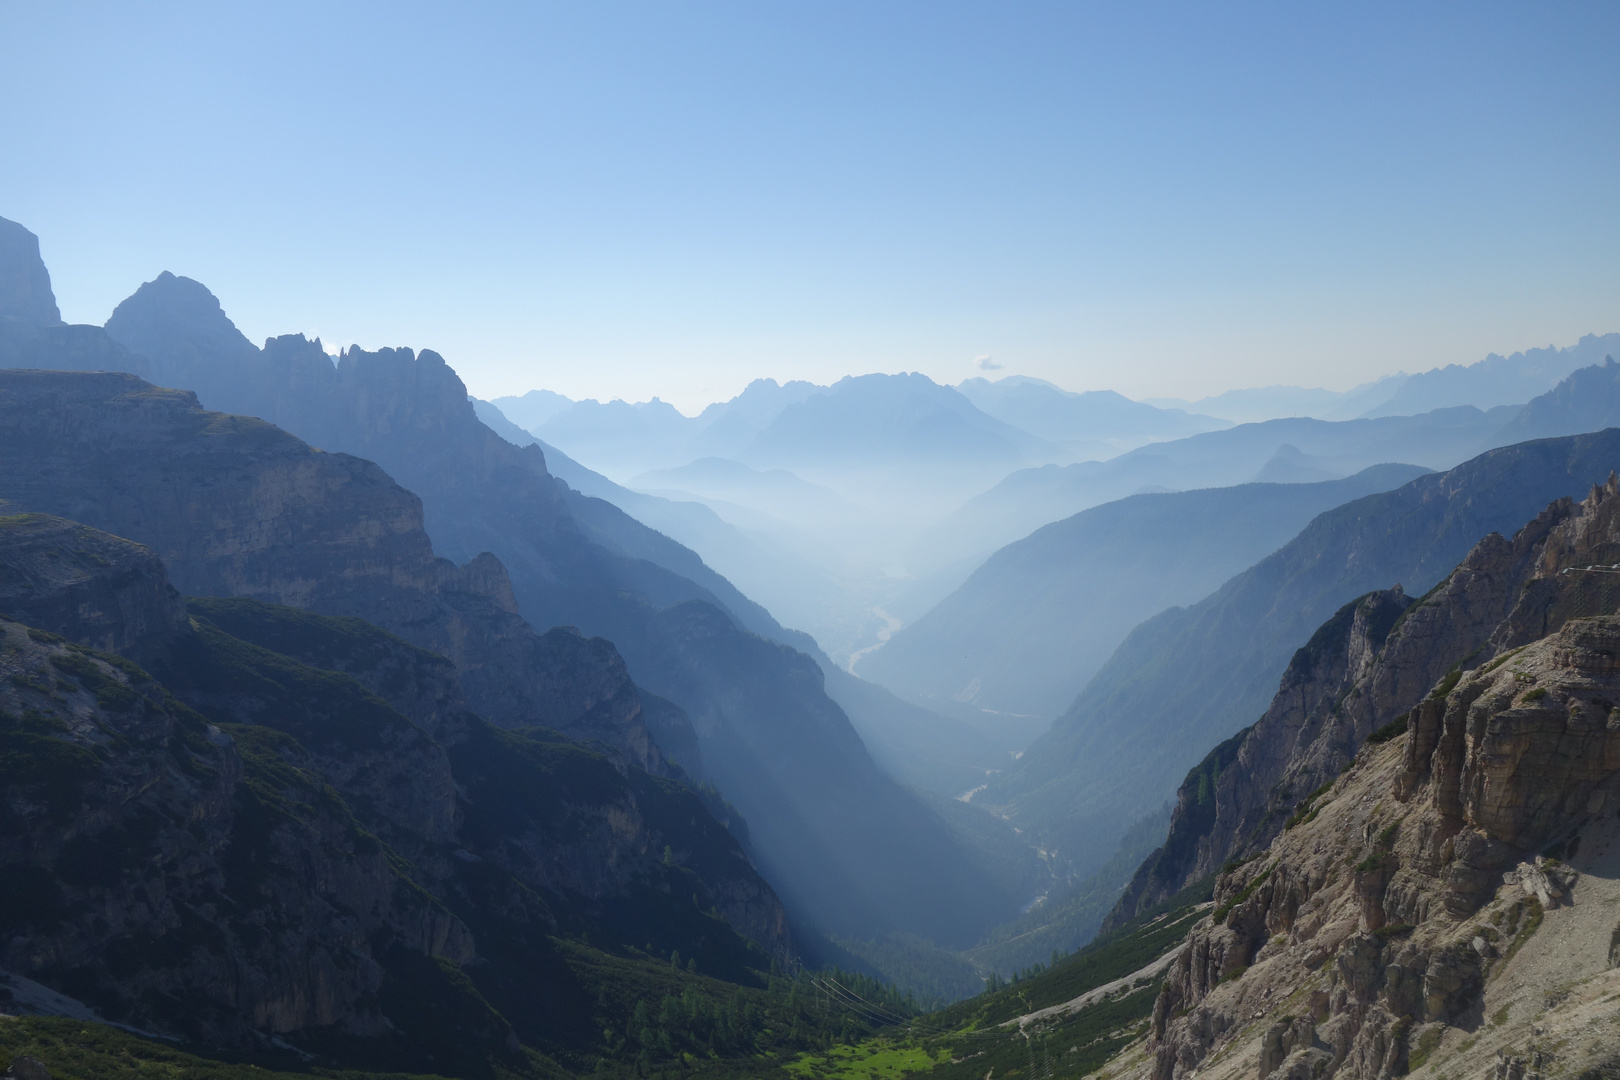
[
  {"x": 1387, "y": 915},
  {"x": 1374, "y": 663},
  {"x": 32, "y": 333},
  {"x": 236, "y": 507}
]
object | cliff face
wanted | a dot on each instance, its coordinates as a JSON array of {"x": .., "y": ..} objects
[
  {"x": 1369, "y": 666},
  {"x": 247, "y": 845},
  {"x": 25, "y": 284},
  {"x": 116, "y": 782},
  {"x": 1406, "y": 921},
  {"x": 237, "y": 507}
]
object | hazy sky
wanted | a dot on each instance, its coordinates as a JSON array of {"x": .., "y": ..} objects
[{"x": 672, "y": 199}]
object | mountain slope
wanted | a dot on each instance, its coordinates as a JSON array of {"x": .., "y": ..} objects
[
  {"x": 1190, "y": 677},
  {"x": 1030, "y": 498},
  {"x": 1442, "y": 900},
  {"x": 1102, "y": 419},
  {"x": 254, "y": 849},
  {"x": 1367, "y": 669},
  {"x": 1029, "y": 628},
  {"x": 410, "y": 414},
  {"x": 924, "y": 749}
]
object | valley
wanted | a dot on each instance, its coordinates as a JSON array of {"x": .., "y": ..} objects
[{"x": 356, "y": 726}]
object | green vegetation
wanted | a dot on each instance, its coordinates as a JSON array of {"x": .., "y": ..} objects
[
  {"x": 1373, "y": 863},
  {"x": 874, "y": 1060},
  {"x": 1445, "y": 686},
  {"x": 1392, "y": 730}
]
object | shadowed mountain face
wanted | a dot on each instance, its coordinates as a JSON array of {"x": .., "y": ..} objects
[
  {"x": 329, "y": 871},
  {"x": 237, "y": 507},
  {"x": 410, "y": 413},
  {"x": 1032, "y": 625},
  {"x": 25, "y": 284},
  {"x": 1186, "y": 679}
]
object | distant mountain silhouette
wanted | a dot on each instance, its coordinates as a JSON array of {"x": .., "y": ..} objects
[
  {"x": 532, "y": 409},
  {"x": 1496, "y": 380},
  {"x": 1028, "y": 630},
  {"x": 1098, "y": 420},
  {"x": 1030, "y": 498}
]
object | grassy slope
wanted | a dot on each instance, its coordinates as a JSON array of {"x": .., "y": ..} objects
[{"x": 966, "y": 1041}]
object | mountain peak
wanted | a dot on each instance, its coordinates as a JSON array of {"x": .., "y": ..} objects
[
  {"x": 147, "y": 321},
  {"x": 25, "y": 284}
]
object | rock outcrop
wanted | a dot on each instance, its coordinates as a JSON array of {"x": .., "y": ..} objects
[
  {"x": 25, "y": 283},
  {"x": 32, "y": 333},
  {"x": 1384, "y": 928},
  {"x": 1386, "y": 922},
  {"x": 1371, "y": 666},
  {"x": 103, "y": 591}
]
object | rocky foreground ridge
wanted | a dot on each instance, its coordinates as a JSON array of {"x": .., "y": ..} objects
[
  {"x": 1447, "y": 901},
  {"x": 1371, "y": 665}
]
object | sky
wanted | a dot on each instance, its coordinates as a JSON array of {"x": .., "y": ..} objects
[{"x": 672, "y": 199}]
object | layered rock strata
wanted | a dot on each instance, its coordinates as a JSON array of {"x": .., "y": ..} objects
[{"x": 1395, "y": 925}]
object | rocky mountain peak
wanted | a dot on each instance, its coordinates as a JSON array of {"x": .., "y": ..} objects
[
  {"x": 25, "y": 284},
  {"x": 147, "y": 321}
]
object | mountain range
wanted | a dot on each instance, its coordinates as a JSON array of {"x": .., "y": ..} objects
[
  {"x": 765, "y": 731},
  {"x": 1190, "y": 677},
  {"x": 1031, "y": 626}
]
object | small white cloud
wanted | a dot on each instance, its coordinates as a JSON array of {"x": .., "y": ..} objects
[{"x": 986, "y": 363}]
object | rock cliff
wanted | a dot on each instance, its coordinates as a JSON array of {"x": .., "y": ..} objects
[
  {"x": 1463, "y": 760},
  {"x": 99, "y": 590},
  {"x": 1406, "y": 919},
  {"x": 1371, "y": 665}
]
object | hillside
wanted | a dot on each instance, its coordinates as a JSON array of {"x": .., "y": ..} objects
[
  {"x": 293, "y": 861},
  {"x": 1029, "y": 628},
  {"x": 1030, "y": 498},
  {"x": 1367, "y": 670},
  {"x": 1190, "y": 677},
  {"x": 610, "y": 577},
  {"x": 1444, "y": 908}
]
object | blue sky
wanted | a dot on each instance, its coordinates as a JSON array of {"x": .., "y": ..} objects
[{"x": 672, "y": 199}]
